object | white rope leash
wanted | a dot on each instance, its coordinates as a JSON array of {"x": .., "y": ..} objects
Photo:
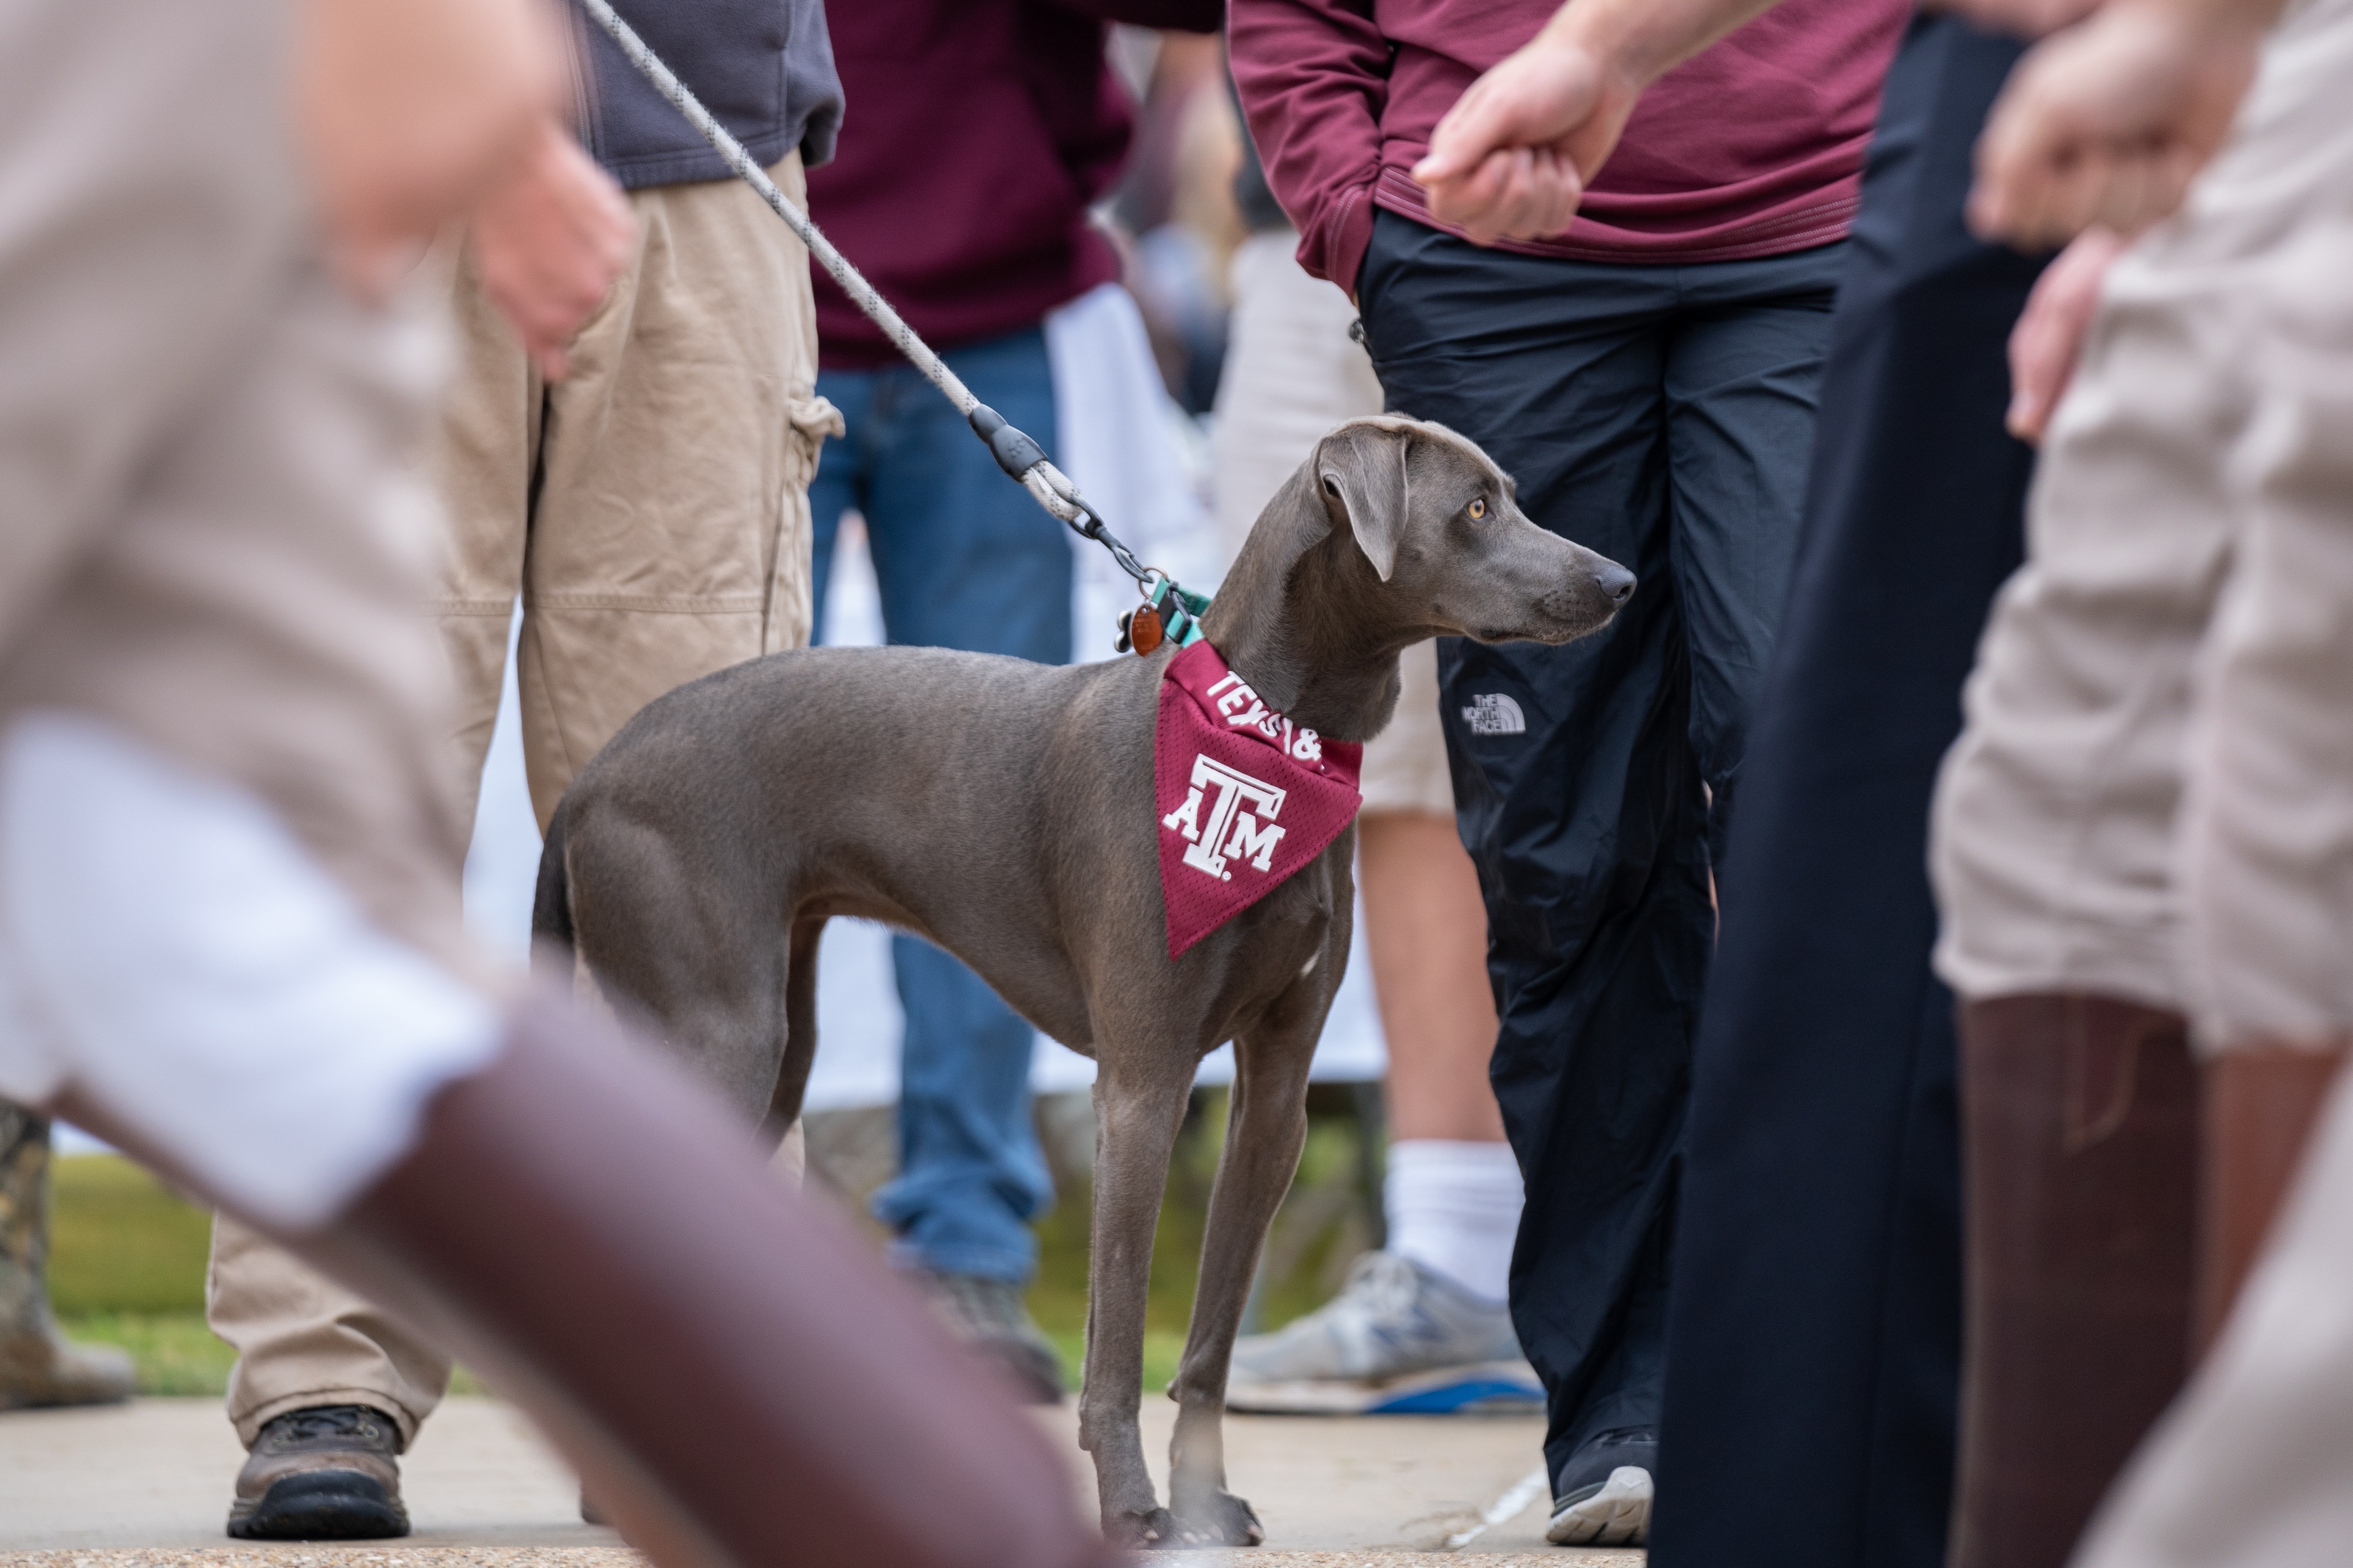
[{"x": 1015, "y": 452}]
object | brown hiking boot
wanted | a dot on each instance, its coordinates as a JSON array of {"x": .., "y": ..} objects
[
  {"x": 38, "y": 1365},
  {"x": 328, "y": 1473}
]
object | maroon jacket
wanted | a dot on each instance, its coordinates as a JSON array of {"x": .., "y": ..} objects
[
  {"x": 1753, "y": 148},
  {"x": 977, "y": 134}
]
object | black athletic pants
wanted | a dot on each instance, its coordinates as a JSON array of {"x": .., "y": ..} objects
[
  {"x": 1662, "y": 416},
  {"x": 1814, "y": 1340}
]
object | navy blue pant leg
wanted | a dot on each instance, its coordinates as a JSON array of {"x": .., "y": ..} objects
[
  {"x": 1662, "y": 415},
  {"x": 1814, "y": 1336},
  {"x": 964, "y": 559}
]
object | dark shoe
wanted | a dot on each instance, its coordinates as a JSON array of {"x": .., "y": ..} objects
[
  {"x": 990, "y": 1318},
  {"x": 1604, "y": 1497},
  {"x": 38, "y": 1365},
  {"x": 2080, "y": 1124},
  {"x": 328, "y": 1473}
]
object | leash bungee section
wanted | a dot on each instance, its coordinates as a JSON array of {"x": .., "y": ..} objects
[{"x": 1176, "y": 610}]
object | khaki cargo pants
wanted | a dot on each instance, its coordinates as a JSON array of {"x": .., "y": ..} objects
[
  {"x": 2153, "y": 796},
  {"x": 652, "y": 511}
]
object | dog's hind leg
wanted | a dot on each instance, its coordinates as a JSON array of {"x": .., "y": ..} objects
[
  {"x": 1265, "y": 1130},
  {"x": 698, "y": 957},
  {"x": 798, "y": 1048},
  {"x": 1139, "y": 1103}
]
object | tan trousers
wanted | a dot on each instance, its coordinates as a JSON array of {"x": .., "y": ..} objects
[
  {"x": 652, "y": 510},
  {"x": 2150, "y": 797}
]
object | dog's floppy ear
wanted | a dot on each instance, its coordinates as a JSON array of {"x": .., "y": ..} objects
[{"x": 1362, "y": 466}]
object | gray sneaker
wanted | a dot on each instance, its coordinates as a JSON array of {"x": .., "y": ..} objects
[
  {"x": 1606, "y": 1490},
  {"x": 1397, "y": 1340},
  {"x": 990, "y": 1318}
]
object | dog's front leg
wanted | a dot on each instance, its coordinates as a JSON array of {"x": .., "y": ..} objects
[
  {"x": 1264, "y": 1134},
  {"x": 1138, "y": 1108}
]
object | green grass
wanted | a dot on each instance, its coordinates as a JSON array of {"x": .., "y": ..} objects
[
  {"x": 1162, "y": 1349},
  {"x": 176, "y": 1354},
  {"x": 127, "y": 1267},
  {"x": 1324, "y": 1223},
  {"x": 123, "y": 1242}
]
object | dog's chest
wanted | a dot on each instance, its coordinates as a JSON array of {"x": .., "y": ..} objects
[{"x": 1295, "y": 915}]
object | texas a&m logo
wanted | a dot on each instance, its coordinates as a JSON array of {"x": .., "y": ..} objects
[
  {"x": 1234, "y": 828},
  {"x": 1243, "y": 709}
]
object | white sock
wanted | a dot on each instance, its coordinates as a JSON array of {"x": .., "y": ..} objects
[{"x": 1454, "y": 1209}]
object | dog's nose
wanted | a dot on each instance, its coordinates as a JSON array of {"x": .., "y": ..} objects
[{"x": 1617, "y": 583}]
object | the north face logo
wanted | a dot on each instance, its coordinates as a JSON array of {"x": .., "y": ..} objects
[
  {"x": 1233, "y": 829},
  {"x": 1493, "y": 713}
]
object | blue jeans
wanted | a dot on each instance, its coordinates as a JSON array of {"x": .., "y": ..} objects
[{"x": 965, "y": 560}]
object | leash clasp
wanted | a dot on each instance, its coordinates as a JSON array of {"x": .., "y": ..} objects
[{"x": 1168, "y": 614}]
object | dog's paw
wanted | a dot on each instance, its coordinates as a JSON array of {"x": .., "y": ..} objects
[
  {"x": 1140, "y": 1532},
  {"x": 1218, "y": 1519}
]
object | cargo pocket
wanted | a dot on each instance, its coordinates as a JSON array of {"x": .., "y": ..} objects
[{"x": 808, "y": 422}]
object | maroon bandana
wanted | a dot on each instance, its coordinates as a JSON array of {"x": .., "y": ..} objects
[{"x": 1245, "y": 797}]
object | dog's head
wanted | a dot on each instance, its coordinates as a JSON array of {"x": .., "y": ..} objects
[{"x": 1437, "y": 522}]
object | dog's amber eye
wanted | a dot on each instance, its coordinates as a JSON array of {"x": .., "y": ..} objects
[{"x": 1478, "y": 507}]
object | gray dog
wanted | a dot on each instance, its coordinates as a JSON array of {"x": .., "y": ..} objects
[{"x": 1006, "y": 811}]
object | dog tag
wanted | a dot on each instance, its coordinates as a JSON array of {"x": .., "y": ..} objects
[{"x": 1143, "y": 628}]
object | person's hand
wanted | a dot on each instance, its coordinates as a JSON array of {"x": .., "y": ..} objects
[
  {"x": 407, "y": 110},
  {"x": 548, "y": 240},
  {"x": 2107, "y": 122},
  {"x": 2049, "y": 336},
  {"x": 2019, "y": 18},
  {"x": 1512, "y": 157}
]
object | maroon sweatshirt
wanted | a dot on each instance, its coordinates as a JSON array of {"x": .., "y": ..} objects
[
  {"x": 978, "y": 133},
  {"x": 1752, "y": 148}
]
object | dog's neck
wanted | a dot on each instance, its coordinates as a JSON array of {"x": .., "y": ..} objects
[{"x": 1297, "y": 617}]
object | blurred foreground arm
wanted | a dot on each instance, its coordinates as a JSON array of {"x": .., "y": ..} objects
[
  {"x": 415, "y": 112},
  {"x": 2108, "y": 121},
  {"x": 1513, "y": 158},
  {"x": 2049, "y": 335},
  {"x": 734, "y": 1375},
  {"x": 549, "y": 238},
  {"x": 410, "y": 110}
]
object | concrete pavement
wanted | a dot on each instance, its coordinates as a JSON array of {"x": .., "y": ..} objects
[{"x": 146, "y": 1486}]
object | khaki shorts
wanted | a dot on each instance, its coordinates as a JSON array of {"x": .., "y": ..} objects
[
  {"x": 1293, "y": 372},
  {"x": 1404, "y": 766},
  {"x": 2153, "y": 796}
]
